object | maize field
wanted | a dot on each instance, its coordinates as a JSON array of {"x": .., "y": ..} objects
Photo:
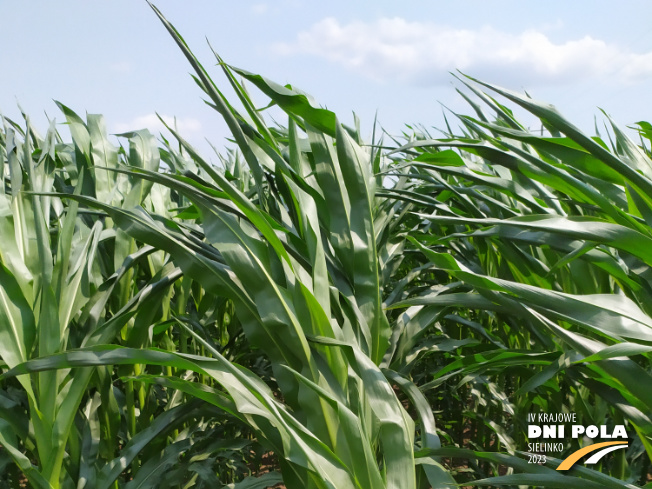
[{"x": 320, "y": 310}]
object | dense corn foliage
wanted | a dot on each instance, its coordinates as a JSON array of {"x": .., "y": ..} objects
[{"x": 320, "y": 311}]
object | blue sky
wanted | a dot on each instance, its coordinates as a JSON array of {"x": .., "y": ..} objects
[{"x": 115, "y": 58}]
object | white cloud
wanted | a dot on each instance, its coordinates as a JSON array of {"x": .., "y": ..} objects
[
  {"x": 424, "y": 53},
  {"x": 259, "y": 8},
  {"x": 186, "y": 126},
  {"x": 120, "y": 67}
]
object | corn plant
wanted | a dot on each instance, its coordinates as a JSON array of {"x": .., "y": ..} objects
[
  {"x": 67, "y": 281},
  {"x": 358, "y": 315},
  {"x": 537, "y": 244}
]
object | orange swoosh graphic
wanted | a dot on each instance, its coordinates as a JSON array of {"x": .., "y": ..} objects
[{"x": 575, "y": 456}]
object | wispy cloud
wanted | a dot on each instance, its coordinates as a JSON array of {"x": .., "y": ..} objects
[
  {"x": 121, "y": 67},
  {"x": 424, "y": 53},
  {"x": 186, "y": 126},
  {"x": 259, "y": 8}
]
